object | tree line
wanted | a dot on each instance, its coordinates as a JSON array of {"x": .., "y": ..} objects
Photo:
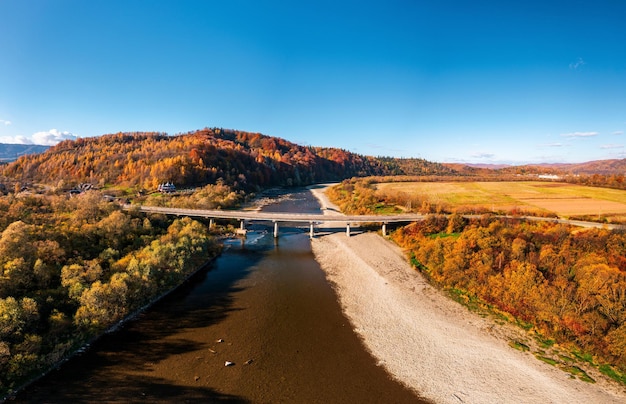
[
  {"x": 246, "y": 161},
  {"x": 566, "y": 284},
  {"x": 72, "y": 267},
  {"x": 242, "y": 160}
]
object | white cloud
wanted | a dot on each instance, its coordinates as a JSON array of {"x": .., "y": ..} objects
[
  {"x": 580, "y": 134},
  {"x": 618, "y": 132},
  {"x": 612, "y": 146},
  {"x": 52, "y": 137},
  {"x": 46, "y": 138},
  {"x": 7, "y": 123},
  {"x": 575, "y": 65},
  {"x": 482, "y": 155},
  {"x": 15, "y": 140},
  {"x": 556, "y": 144}
]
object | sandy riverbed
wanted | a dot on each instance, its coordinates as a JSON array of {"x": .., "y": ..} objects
[{"x": 432, "y": 344}]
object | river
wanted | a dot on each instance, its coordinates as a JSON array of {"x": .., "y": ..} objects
[{"x": 265, "y": 307}]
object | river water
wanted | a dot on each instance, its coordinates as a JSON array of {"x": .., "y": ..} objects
[{"x": 265, "y": 306}]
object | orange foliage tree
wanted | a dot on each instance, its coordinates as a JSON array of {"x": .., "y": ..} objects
[{"x": 571, "y": 285}]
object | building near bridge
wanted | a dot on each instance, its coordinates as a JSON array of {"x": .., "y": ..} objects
[{"x": 166, "y": 188}]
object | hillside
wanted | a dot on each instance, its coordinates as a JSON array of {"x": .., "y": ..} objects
[
  {"x": 600, "y": 167},
  {"x": 416, "y": 166},
  {"x": 603, "y": 167},
  {"x": 247, "y": 161}
]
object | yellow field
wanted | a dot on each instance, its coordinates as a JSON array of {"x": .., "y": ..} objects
[{"x": 564, "y": 200}]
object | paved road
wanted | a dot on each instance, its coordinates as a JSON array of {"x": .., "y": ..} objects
[{"x": 578, "y": 223}]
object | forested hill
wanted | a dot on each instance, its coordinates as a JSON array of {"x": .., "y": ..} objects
[
  {"x": 417, "y": 166},
  {"x": 248, "y": 161},
  {"x": 602, "y": 167}
]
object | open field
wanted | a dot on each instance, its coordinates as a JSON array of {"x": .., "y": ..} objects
[{"x": 564, "y": 200}]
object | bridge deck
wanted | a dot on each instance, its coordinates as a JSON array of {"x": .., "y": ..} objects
[
  {"x": 338, "y": 218},
  {"x": 278, "y": 216}
]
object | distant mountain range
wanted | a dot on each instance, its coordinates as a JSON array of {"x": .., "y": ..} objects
[
  {"x": 603, "y": 167},
  {"x": 10, "y": 152}
]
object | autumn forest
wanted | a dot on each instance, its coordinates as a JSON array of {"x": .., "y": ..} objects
[
  {"x": 564, "y": 284},
  {"x": 73, "y": 263}
]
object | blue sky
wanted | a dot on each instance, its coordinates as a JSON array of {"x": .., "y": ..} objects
[{"x": 449, "y": 81}]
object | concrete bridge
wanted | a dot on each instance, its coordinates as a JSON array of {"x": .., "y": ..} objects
[
  {"x": 278, "y": 217},
  {"x": 346, "y": 220}
]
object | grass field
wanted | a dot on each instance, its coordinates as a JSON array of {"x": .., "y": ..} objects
[{"x": 564, "y": 200}]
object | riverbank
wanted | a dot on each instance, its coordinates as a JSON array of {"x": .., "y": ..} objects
[
  {"x": 432, "y": 344},
  {"x": 82, "y": 346},
  {"x": 265, "y": 307}
]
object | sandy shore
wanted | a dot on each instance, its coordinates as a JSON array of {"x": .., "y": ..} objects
[{"x": 432, "y": 344}]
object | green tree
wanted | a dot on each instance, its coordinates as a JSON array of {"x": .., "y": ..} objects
[
  {"x": 103, "y": 304},
  {"x": 76, "y": 277}
]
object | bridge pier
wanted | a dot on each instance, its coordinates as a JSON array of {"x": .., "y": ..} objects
[
  {"x": 384, "y": 229},
  {"x": 311, "y": 230},
  {"x": 348, "y": 229},
  {"x": 211, "y": 223},
  {"x": 242, "y": 229},
  {"x": 275, "y": 229}
]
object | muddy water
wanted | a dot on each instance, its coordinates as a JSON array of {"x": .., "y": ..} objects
[{"x": 266, "y": 307}]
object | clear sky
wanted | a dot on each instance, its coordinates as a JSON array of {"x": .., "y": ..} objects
[{"x": 477, "y": 81}]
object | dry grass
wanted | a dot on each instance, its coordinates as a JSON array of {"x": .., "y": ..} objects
[{"x": 564, "y": 200}]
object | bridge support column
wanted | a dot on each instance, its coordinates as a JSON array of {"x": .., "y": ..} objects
[
  {"x": 242, "y": 229},
  {"x": 275, "y": 229},
  {"x": 211, "y": 223},
  {"x": 348, "y": 229},
  {"x": 311, "y": 231},
  {"x": 384, "y": 229}
]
